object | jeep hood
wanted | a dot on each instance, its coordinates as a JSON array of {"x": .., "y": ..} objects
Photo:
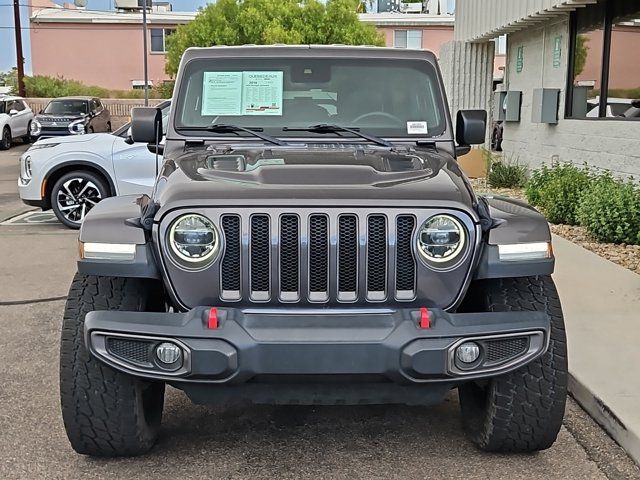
[{"x": 313, "y": 175}]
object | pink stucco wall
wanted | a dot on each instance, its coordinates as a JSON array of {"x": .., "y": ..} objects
[
  {"x": 432, "y": 37},
  {"x": 106, "y": 55}
]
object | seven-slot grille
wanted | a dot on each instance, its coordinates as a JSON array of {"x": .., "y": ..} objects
[{"x": 318, "y": 257}]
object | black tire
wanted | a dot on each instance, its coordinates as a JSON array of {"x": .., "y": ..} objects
[
  {"x": 106, "y": 413},
  {"x": 62, "y": 205},
  {"x": 5, "y": 141},
  {"x": 520, "y": 411}
]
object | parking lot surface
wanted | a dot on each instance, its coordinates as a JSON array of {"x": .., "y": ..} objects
[{"x": 229, "y": 441}]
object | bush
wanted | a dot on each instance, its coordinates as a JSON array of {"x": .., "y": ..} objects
[
  {"x": 610, "y": 210},
  {"x": 557, "y": 191},
  {"x": 42, "y": 86},
  {"x": 505, "y": 173}
]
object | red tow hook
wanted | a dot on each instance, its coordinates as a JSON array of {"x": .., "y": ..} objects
[
  {"x": 425, "y": 318},
  {"x": 212, "y": 322}
]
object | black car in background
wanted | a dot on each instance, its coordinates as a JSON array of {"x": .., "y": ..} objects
[{"x": 71, "y": 116}]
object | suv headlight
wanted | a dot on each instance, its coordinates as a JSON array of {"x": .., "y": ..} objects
[
  {"x": 25, "y": 169},
  {"x": 441, "y": 241},
  {"x": 77, "y": 127},
  {"x": 193, "y": 240},
  {"x": 36, "y": 128}
]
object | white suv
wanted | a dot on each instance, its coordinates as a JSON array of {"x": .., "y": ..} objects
[
  {"x": 15, "y": 120},
  {"x": 71, "y": 174}
]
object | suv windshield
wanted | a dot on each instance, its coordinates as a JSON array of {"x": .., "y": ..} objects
[
  {"x": 66, "y": 107},
  {"x": 392, "y": 98}
]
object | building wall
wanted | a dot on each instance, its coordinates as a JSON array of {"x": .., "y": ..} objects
[
  {"x": 602, "y": 143},
  {"x": 106, "y": 55},
  {"x": 477, "y": 20},
  {"x": 432, "y": 37}
]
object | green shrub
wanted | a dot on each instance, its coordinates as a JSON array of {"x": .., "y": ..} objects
[
  {"x": 42, "y": 86},
  {"x": 503, "y": 173},
  {"x": 610, "y": 210},
  {"x": 164, "y": 89},
  {"x": 557, "y": 191}
]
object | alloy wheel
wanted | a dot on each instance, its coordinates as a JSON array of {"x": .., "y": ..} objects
[{"x": 76, "y": 197}]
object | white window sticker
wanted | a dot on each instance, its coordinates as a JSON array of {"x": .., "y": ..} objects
[
  {"x": 414, "y": 128},
  {"x": 222, "y": 93},
  {"x": 262, "y": 93}
]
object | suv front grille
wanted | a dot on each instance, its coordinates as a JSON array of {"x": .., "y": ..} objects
[
  {"x": 260, "y": 257},
  {"x": 317, "y": 257}
]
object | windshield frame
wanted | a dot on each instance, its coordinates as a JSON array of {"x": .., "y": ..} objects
[{"x": 443, "y": 133}]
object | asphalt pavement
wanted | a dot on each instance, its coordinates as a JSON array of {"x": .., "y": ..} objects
[{"x": 37, "y": 262}]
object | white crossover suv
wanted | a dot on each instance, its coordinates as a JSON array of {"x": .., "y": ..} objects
[
  {"x": 15, "y": 120},
  {"x": 72, "y": 174}
]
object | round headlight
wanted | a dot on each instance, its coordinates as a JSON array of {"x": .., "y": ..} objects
[
  {"x": 193, "y": 239},
  {"x": 441, "y": 240}
]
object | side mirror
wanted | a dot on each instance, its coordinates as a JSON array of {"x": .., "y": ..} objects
[
  {"x": 635, "y": 103},
  {"x": 146, "y": 125},
  {"x": 13, "y": 113},
  {"x": 471, "y": 127}
]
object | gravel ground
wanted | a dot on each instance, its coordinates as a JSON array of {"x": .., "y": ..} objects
[{"x": 627, "y": 256}]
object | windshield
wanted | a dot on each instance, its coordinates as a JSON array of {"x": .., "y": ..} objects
[
  {"x": 392, "y": 98},
  {"x": 67, "y": 107}
]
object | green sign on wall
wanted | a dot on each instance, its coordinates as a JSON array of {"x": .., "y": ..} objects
[
  {"x": 557, "y": 51},
  {"x": 520, "y": 59}
]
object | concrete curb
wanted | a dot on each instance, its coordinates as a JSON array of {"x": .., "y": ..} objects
[{"x": 629, "y": 440}]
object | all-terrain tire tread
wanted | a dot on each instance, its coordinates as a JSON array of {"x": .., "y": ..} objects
[
  {"x": 100, "y": 405},
  {"x": 524, "y": 409}
]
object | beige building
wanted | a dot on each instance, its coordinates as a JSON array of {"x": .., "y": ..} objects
[{"x": 571, "y": 78}]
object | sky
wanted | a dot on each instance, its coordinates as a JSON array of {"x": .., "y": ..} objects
[{"x": 7, "y": 33}]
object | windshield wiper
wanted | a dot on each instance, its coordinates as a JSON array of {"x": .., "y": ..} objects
[
  {"x": 333, "y": 128},
  {"x": 224, "y": 127}
]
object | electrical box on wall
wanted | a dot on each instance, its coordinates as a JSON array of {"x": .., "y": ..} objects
[
  {"x": 499, "y": 106},
  {"x": 513, "y": 101},
  {"x": 544, "y": 107}
]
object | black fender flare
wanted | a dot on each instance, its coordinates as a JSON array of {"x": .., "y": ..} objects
[
  {"x": 115, "y": 220},
  {"x": 82, "y": 163},
  {"x": 513, "y": 222}
]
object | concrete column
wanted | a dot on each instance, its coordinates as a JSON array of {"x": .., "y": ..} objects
[{"x": 467, "y": 69}]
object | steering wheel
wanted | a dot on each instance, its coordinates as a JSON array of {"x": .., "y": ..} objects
[{"x": 378, "y": 114}]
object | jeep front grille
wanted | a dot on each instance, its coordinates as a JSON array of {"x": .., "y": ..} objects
[{"x": 318, "y": 257}]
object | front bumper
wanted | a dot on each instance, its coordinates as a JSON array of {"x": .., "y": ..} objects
[{"x": 383, "y": 345}]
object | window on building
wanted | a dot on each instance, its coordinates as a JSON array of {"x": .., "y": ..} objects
[
  {"x": 159, "y": 39},
  {"x": 139, "y": 84},
  {"x": 605, "y": 76},
  {"x": 407, "y": 39},
  {"x": 501, "y": 45}
]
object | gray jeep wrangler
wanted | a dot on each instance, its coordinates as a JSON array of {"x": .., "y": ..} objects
[{"x": 312, "y": 240}]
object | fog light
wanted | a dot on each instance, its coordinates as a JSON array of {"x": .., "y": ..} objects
[
  {"x": 468, "y": 352},
  {"x": 168, "y": 353}
]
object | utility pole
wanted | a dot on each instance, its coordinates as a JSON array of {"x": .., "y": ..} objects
[
  {"x": 19, "y": 57},
  {"x": 146, "y": 70}
]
